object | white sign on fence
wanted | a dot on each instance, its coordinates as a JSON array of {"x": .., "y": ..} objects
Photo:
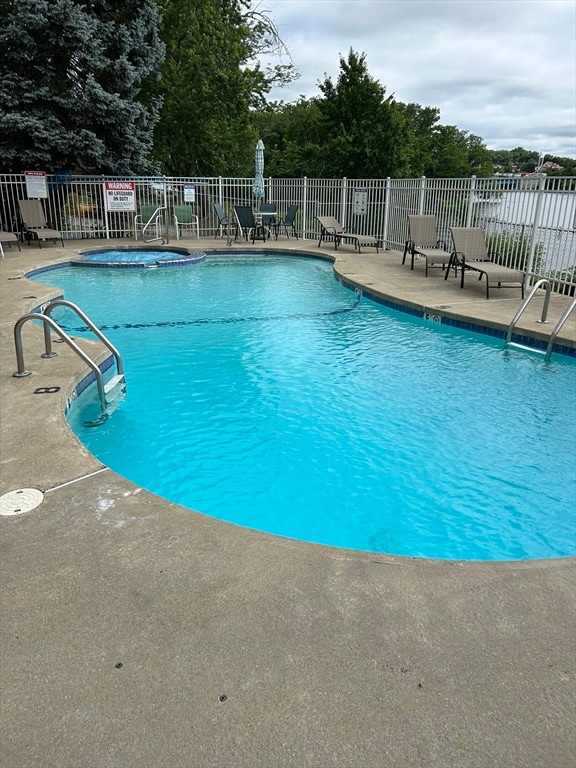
[
  {"x": 189, "y": 193},
  {"x": 120, "y": 195},
  {"x": 360, "y": 205},
  {"x": 36, "y": 184}
]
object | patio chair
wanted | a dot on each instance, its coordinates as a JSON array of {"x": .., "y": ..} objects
[
  {"x": 471, "y": 254},
  {"x": 35, "y": 224},
  {"x": 331, "y": 228},
  {"x": 223, "y": 220},
  {"x": 148, "y": 220},
  {"x": 185, "y": 219},
  {"x": 287, "y": 222},
  {"x": 8, "y": 237},
  {"x": 423, "y": 241},
  {"x": 247, "y": 224}
]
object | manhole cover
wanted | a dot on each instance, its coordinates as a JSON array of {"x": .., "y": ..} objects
[{"x": 20, "y": 501}]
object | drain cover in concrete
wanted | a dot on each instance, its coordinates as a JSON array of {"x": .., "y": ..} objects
[{"x": 20, "y": 501}]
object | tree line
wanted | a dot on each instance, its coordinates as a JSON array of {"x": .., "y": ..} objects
[{"x": 135, "y": 87}]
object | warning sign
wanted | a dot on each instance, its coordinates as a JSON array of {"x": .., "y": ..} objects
[
  {"x": 120, "y": 195},
  {"x": 36, "y": 185}
]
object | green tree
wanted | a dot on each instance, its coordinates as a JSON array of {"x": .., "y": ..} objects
[
  {"x": 423, "y": 121},
  {"x": 71, "y": 73},
  {"x": 352, "y": 129},
  {"x": 365, "y": 133},
  {"x": 291, "y": 134},
  {"x": 522, "y": 160},
  {"x": 210, "y": 83},
  {"x": 455, "y": 154}
]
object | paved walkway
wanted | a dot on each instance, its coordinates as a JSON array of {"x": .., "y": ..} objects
[{"x": 135, "y": 633}]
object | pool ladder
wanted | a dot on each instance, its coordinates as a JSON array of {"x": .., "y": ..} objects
[
  {"x": 543, "y": 283},
  {"x": 109, "y": 393}
]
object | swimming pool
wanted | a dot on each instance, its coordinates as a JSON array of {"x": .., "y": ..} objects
[{"x": 262, "y": 392}]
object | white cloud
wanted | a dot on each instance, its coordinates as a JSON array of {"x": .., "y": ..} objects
[{"x": 502, "y": 69}]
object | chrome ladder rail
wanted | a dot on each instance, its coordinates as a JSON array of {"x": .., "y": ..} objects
[
  {"x": 114, "y": 386},
  {"x": 83, "y": 316},
  {"x": 558, "y": 327},
  {"x": 166, "y": 239},
  {"x": 543, "y": 283}
]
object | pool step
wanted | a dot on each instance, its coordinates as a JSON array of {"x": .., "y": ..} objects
[
  {"x": 526, "y": 348},
  {"x": 115, "y": 388}
]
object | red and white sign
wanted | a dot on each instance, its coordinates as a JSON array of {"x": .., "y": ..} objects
[
  {"x": 120, "y": 195},
  {"x": 36, "y": 184}
]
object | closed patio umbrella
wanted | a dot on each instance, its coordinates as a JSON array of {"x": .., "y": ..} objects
[{"x": 258, "y": 188}]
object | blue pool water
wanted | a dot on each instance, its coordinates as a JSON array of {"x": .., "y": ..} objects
[
  {"x": 139, "y": 256},
  {"x": 262, "y": 392}
]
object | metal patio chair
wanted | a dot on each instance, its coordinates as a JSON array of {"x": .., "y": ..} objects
[
  {"x": 423, "y": 241},
  {"x": 35, "y": 224},
  {"x": 331, "y": 228},
  {"x": 184, "y": 219},
  {"x": 287, "y": 223},
  {"x": 471, "y": 254},
  {"x": 247, "y": 224}
]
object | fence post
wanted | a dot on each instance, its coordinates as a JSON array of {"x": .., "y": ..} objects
[
  {"x": 386, "y": 212},
  {"x": 103, "y": 205},
  {"x": 343, "y": 213},
  {"x": 470, "y": 201},
  {"x": 304, "y": 208},
  {"x": 421, "y": 197},
  {"x": 536, "y": 224}
]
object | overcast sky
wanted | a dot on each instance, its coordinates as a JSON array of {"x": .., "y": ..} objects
[{"x": 504, "y": 70}]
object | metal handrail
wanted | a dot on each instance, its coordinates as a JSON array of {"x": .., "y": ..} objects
[
  {"x": 541, "y": 283},
  {"x": 64, "y": 303},
  {"x": 558, "y": 327},
  {"x": 46, "y": 320},
  {"x": 149, "y": 222}
]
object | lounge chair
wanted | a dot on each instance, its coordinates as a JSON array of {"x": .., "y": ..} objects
[
  {"x": 223, "y": 220},
  {"x": 8, "y": 237},
  {"x": 35, "y": 224},
  {"x": 287, "y": 223},
  {"x": 423, "y": 241},
  {"x": 185, "y": 219},
  {"x": 331, "y": 228},
  {"x": 247, "y": 224},
  {"x": 148, "y": 220},
  {"x": 470, "y": 254}
]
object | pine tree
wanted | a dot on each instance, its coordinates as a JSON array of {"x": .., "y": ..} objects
[
  {"x": 211, "y": 83},
  {"x": 71, "y": 77}
]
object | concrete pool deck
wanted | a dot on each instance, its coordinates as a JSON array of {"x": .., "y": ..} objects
[{"x": 135, "y": 633}]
